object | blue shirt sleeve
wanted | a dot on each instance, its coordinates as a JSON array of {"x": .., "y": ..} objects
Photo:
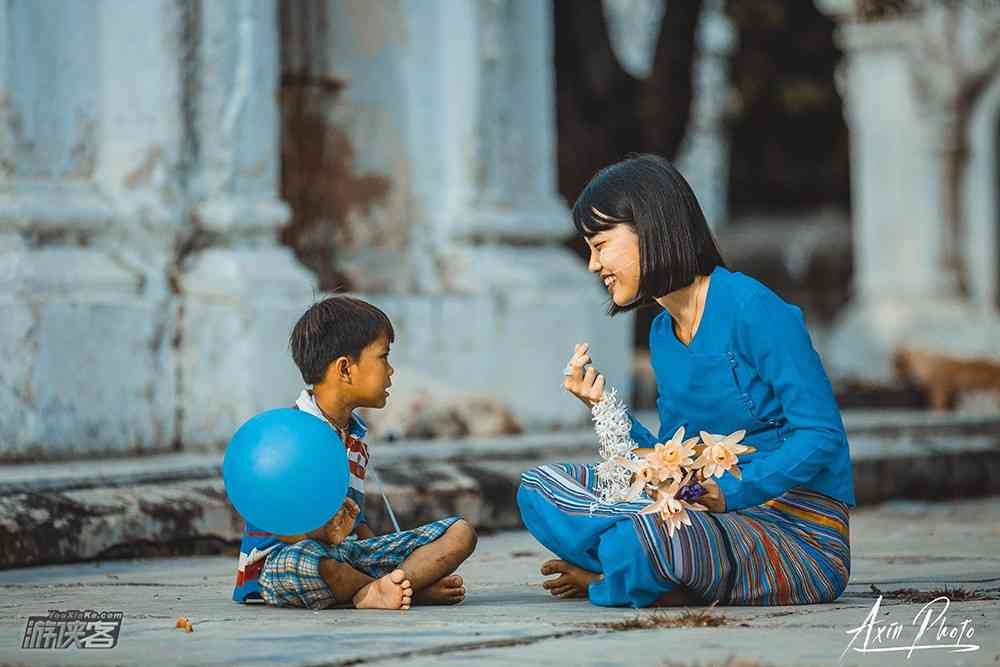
[
  {"x": 773, "y": 337},
  {"x": 642, "y": 435}
]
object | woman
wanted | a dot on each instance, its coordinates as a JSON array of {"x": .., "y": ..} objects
[{"x": 728, "y": 354}]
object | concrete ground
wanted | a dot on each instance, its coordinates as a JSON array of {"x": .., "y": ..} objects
[{"x": 508, "y": 619}]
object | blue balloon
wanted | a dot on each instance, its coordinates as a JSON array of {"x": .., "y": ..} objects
[{"x": 285, "y": 471}]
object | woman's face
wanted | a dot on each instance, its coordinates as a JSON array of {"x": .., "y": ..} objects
[{"x": 614, "y": 255}]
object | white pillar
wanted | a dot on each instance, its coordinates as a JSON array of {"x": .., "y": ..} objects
[
  {"x": 240, "y": 290},
  {"x": 981, "y": 200},
  {"x": 703, "y": 157},
  {"x": 451, "y": 106},
  {"x": 87, "y": 177},
  {"x": 903, "y": 296}
]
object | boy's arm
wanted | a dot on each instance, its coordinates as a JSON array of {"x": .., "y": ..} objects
[
  {"x": 319, "y": 535},
  {"x": 333, "y": 531},
  {"x": 362, "y": 530}
]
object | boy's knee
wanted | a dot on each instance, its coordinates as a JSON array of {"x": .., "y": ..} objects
[
  {"x": 298, "y": 559},
  {"x": 464, "y": 535},
  {"x": 333, "y": 570},
  {"x": 291, "y": 577}
]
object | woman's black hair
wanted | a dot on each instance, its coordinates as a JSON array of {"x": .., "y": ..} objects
[{"x": 647, "y": 193}]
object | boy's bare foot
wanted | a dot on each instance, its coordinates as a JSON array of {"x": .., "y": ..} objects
[
  {"x": 446, "y": 590},
  {"x": 572, "y": 582},
  {"x": 336, "y": 530},
  {"x": 392, "y": 591}
]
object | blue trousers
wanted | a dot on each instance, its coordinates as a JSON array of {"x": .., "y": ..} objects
[{"x": 604, "y": 543}]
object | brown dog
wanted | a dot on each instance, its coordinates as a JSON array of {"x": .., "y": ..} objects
[{"x": 946, "y": 378}]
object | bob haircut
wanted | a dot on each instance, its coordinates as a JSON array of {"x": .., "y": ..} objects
[{"x": 647, "y": 193}]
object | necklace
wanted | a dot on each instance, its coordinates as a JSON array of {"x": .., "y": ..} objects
[
  {"x": 341, "y": 430},
  {"x": 699, "y": 293}
]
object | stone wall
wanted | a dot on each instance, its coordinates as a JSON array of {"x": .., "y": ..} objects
[
  {"x": 922, "y": 90},
  {"x": 145, "y": 298}
]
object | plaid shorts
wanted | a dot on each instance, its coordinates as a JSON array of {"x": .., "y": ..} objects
[{"x": 291, "y": 578}]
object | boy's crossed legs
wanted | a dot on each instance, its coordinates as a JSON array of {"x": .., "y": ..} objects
[
  {"x": 422, "y": 578},
  {"x": 417, "y": 564}
]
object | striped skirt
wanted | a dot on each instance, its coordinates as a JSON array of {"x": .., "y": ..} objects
[{"x": 794, "y": 549}]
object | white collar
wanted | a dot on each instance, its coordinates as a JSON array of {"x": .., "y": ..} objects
[{"x": 307, "y": 403}]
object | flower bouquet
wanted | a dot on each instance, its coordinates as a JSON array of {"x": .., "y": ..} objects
[{"x": 670, "y": 474}]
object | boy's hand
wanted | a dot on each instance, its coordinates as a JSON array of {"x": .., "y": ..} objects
[
  {"x": 587, "y": 385},
  {"x": 341, "y": 524},
  {"x": 333, "y": 531}
]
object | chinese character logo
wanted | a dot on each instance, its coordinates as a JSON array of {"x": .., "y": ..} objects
[{"x": 73, "y": 629}]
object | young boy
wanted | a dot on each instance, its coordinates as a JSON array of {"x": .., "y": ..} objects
[{"x": 341, "y": 346}]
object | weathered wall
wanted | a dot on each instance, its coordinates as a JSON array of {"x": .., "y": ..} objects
[
  {"x": 920, "y": 279},
  {"x": 145, "y": 298},
  {"x": 90, "y": 150},
  {"x": 138, "y": 147},
  {"x": 449, "y": 217}
]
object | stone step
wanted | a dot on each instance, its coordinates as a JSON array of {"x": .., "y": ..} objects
[
  {"x": 55, "y": 513},
  {"x": 872, "y": 433}
]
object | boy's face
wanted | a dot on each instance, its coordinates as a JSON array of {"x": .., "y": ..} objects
[{"x": 372, "y": 373}]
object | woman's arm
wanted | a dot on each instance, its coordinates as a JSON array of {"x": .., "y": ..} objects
[
  {"x": 642, "y": 435},
  {"x": 774, "y": 337}
]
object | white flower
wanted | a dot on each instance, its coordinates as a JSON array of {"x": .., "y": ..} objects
[
  {"x": 670, "y": 458},
  {"x": 721, "y": 454},
  {"x": 672, "y": 510}
]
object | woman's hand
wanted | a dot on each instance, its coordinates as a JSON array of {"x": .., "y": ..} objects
[
  {"x": 714, "y": 499},
  {"x": 587, "y": 385}
]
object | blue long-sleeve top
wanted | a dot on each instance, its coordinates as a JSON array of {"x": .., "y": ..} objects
[{"x": 751, "y": 365}]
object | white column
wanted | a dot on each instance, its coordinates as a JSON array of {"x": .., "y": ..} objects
[
  {"x": 240, "y": 290},
  {"x": 981, "y": 200},
  {"x": 450, "y": 106},
  {"x": 512, "y": 178},
  {"x": 87, "y": 201},
  {"x": 704, "y": 154},
  {"x": 895, "y": 176},
  {"x": 903, "y": 294}
]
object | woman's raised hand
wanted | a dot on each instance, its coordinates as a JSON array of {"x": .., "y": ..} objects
[{"x": 583, "y": 381}]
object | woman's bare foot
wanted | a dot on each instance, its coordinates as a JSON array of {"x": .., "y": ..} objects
[
  {"x": 446, "y": 590},
  {"x": 392, "y": 591},
  {"x": 679, "y": 597},
  {"x": 572, "y": 582}
]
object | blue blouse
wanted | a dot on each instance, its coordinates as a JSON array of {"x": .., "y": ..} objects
[{"x": 752, "y": 366}]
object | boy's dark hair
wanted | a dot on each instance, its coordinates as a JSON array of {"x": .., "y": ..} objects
[
  {"x": 647, "y": 193},
  {"x": 335, "y": 327}
]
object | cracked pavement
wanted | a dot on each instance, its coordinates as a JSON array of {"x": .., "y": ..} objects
[{"x": 509, "y": 619}]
